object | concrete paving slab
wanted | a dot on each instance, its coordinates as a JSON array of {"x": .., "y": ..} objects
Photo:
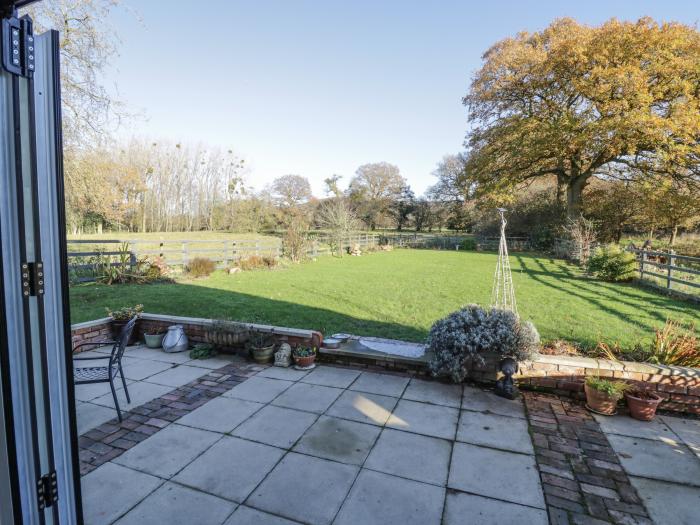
[
  {"x": 486, "y": 401},
  {"x": 331, "y": 376},
  {"x": 249, "y": 516},
  {"x": 177, "y": 376},
  {"x": 413, "y": 456},
  {"x": 434, "y": 392},
  {"x": 259, "y": 389},
  {"x": 139, "y": 392},
  {"x": 91, "y": 391},
  {"x": 278, "y": 372},
  {"x": 382, "y": 384},
  {"x": 686, "y": 429},
  {"x": 140, "y": 369},
  {"x": 155, "y": 354},
  {"x": 212, "y": 363},
  {"x": 626, "y": 426},
  {"x": 91, "y": 416},
  {"x": 277, "y": 426},
  {"x": 365, "y": 408},
  {"x": 177, "y": 505},
  {"x": 668, "y": 503},
  {"x": 303, "y": 396},
  {"x": 422, "y": 418},
  {"x": 221, "y": 414},
  {"x": 380, "y": 499},
  {"x": 231, "y": 468},
  {"x": 111, "y": 490},
  {"x": 491, "y": 430},
  {"x": 168, "y": 451},
  {"x": 304, "y": 488},
  {"x": 671, "y": 461},
  {"x": 339, "y": 440},
  {"x": 496, "y": 474},
  {"x": 487, "y": 511}
]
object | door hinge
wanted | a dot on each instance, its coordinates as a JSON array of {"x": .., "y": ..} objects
[
  {"x": 47, "y": 490},
  {"x": 17, "y": 45},
  {"x": 32, "y": 278}
]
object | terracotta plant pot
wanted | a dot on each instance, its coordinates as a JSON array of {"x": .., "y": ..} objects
[
  {"x": 263, "y": 355},
  {"x": 304, "y": 361},
  {"x": 642, "y": 405},
  {"x": 600, "y": 402}
]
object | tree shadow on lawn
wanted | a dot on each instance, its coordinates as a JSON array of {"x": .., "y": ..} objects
[
  {"x": 651, "y": 307},
  {"x": 211, "y": 303}
]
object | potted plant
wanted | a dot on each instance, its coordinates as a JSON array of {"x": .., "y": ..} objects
[
  {"x": 154, "y": 338},
  {"x": 123, "y": 315},
  {"x": 262, "y": 347},
  {"x": 642, "y": 404},
  {"x": 602, "y": 395},
  {"x": 227, "y": 334},
  {"x": 304, "y": 356}
]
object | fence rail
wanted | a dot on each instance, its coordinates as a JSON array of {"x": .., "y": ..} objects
[{"x": 678, "y": 273}]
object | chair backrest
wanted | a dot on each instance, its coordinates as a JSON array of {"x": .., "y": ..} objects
[{"x": 122, "y": 340}]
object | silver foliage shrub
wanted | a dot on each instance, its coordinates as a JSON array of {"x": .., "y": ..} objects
[{"x": 460, "y": 339}]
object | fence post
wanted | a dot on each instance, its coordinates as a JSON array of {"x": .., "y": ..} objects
[
  {"x": 185, "y": 253},
  {"x": 669, "y": 263},
  {"x": 225, "y": 255},
  {"x": 160, "y": 250},
  {"x": 257, "y": 247},
  {"x": 132, "y": 260},
  {"x": 641, "y": 263}
]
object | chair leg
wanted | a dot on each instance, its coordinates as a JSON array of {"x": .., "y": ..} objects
[
  {"x": 116, "y": 403},
  {"x": 126, "y": 391}
]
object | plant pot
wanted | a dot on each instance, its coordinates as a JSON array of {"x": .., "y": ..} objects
[
  {"x": 304, "y": 361},
  {"x": 117, "y": 329},
  {"x": 263, "y": 355},
  {"x": 153, "y": 340},
  {"x": 227, "y": 339},
  {"x": 600, "y": 402},
  {"x": 642, "y": 408}
]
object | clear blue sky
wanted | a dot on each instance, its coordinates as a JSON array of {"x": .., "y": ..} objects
[{"x": 321, "y": 87}]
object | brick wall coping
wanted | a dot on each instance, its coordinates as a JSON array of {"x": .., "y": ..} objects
[
  {"x": 90, "y": 324},
  {"x": 619, "y": 366}
]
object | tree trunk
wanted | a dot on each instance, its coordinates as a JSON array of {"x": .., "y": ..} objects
[
  {"x": 674, "y": 234},
  {"x": 574, "y": 196}
]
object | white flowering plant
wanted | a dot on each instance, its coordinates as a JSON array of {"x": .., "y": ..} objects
[{"x": 460, "y": 340}]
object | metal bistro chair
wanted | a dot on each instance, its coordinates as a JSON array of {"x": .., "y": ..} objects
[{"x": 106, "y": 374}]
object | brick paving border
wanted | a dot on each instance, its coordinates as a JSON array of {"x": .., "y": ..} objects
[
  {"x": 111, "y": 439},
  {"x": 581, "y": 475}
]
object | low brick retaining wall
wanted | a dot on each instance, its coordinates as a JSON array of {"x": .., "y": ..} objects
[{"x": 97, "y": 330}]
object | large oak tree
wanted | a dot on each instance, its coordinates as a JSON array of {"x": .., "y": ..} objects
[{"x": 575, "y": 102}]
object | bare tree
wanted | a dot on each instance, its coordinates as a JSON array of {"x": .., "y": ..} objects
[
  {"x": 337, "y": 217},
  {"x": 373, "y": 188},
  {"x": 291, "y": 190}
]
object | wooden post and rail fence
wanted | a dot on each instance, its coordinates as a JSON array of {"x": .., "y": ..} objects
[{"x": 669, "y": 271}]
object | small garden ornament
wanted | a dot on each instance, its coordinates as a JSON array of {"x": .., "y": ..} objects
[{"x": 283, "y": 356}]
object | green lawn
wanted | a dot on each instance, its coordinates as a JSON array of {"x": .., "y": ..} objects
[{"x": 400, "y": 294}]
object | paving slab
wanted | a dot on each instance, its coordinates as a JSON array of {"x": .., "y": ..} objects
[
  {"x": 382, "y": 384},
  {"x": 381, "y": 499},
  {"x": 687, "y": 429},
  {"x": 156, "y": 354},
  {"x": 434, "y": 392},
  {"x": 496, "y": 474},
  {"x": 422, "y": 418},
  {"x": 139, "y": 393},
  {"x": 304, "y": 488},
  {"x": 278, "y": 372},
  {"x": 221, "y": 414},
  {"x": 363, "y": 407},
  {"x": 486, "y": 401},
  {"x": 492, "y": 430},
  {"x": 259, "y": 389},
  {"x": 671, "y": 461},
  {"x": 213, "y": 363},
  {"x": 167, "y": 451},
  {"x": 668, "y": 503},
  {"x": 626, "y": 426},
  {"x": 178, "y": 375},
  {"x": 91, "y": 391},
  {"x": 249, "y": 516},
  {"x": 90, "y": 415},
  {"x": 413, "y": 456},
  {"x": 231, "y": 468},
  {"x": 277, "y": 426},
  {"x": 303, "y": 396},
  {"x": 487, "y": 511},
  {"x": 331, "y": 376},
  {"x": 177, "y": 505},
  {"x": 339, "y": 440},
  {"x": 111, "y": 490},
  {"x": 140, "y": 369}
]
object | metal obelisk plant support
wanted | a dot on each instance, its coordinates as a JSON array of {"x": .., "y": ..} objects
[{"x": 503, "y": 292}]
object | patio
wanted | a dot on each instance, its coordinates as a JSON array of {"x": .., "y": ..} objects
[{"x": 224, "y": 440}]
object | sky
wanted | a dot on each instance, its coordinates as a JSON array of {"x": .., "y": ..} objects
[{"x": 318, "y": 88}]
